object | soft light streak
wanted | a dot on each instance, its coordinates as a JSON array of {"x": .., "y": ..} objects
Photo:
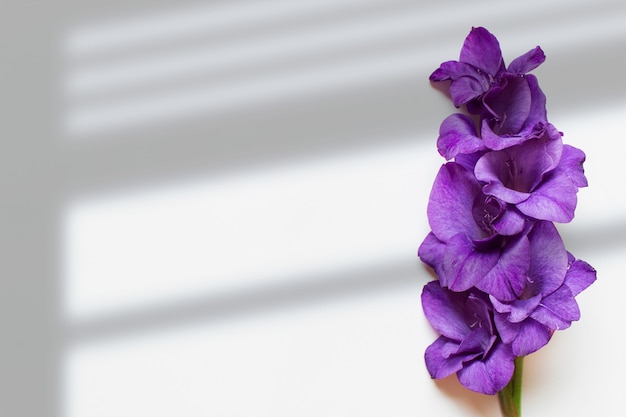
[
  {"x": 169, "y": 83},
  {"x": 216, "y": 236}
]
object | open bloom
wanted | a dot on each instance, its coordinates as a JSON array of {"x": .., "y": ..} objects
[
  {"x": 513, "y": 112},
  {"x": 540, "y": 177},
  {"x": 547, "y": 302},
  {"x": 476, "y": 239},
  {"x": 511, "y": 105},
  {"x": 481, "y": 66},
  {"x": 468, "y": 344}
]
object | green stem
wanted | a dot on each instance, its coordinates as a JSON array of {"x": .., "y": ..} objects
[{"x": 511, "y": 396}]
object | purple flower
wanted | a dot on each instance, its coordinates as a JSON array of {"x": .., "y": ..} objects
[
  {"x": 540, "y": 177},
  {"x": 476, "y": 240},
  {"x": 480, "y": 64},
  {"x": 511, "y": 105},
  {"x": 547, "y": 302},
  {"x": 469, "y": 344},
  {"x": 481, "y": 67},
  {"x": 513, "y": 112}
]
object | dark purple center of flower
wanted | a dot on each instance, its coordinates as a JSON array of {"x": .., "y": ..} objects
[
  {"x": 479, "y": 319},
  {"x": 507, "y": 105},
  {"x": 512, "y": 176},
  {"x": 528, "y": 293},
  {"x": 478, "y": 312},
  {"x": 486, "y": 210}
]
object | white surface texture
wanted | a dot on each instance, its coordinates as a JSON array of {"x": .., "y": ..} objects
[{"x": 213, "y": 208}]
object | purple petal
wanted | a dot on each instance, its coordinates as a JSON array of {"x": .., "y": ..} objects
[
  {"x": 457, "y": 134},
  {"x": 558, "y": 310},
  {"x": 499, "y": 306},
  {"x": 521, "y": 309},
  {"x": 527, "y": 62},
  {"x": 440, "y": 74},
  {"x": 536, "y": 158},
  {"x": 493, "y": 168},
  {"x": 453, "y": 70},
  {"x": 496, "y": 142},
  {"x": 465, "y": 89},
  {"x": 457, "y": 70},
  {"x": 467, "y": 81},
  {"x": 468, "y": 161},
  {"x": 533, "y": 127},
  {"x": 478, "y": 310},
  {"x": 509, "y": 104},
  {"x": 511, "y": 223},
  {"x": 548, "y": 259},
  {"x": 490, "y": 375},
  {"x": 580, "y": 275},
  {"x": 518, "y": 310},
  {"x": 478, "y": 341},
  {"x": 482, "y": 50},
  {"x": 571, "y": 165},
  {"x": 549, "y": 319},
  {"x": 555, "y": 200},
  {"x": 506, "y": 280},
  {"x": 444, "y": 311},
  {"x": 523, "y": 167},
  {"x": 438, "y": 361},
  {"x": 431, "y": 251},
  {"x": 463, "y": 265},
  {"x": 450, "y": 204},
  {"x": 531, "y": 337},
  {"x": 508, "y": 331},
  {"x": 537, "y": 114}
]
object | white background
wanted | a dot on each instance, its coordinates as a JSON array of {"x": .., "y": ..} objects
[{"x": 214, "y": 208}]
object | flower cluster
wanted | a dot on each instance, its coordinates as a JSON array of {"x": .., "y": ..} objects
[{"x": 506, "y": 281}]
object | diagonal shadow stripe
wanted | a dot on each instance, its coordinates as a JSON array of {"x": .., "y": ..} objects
[{"x": 253, "y": 301}]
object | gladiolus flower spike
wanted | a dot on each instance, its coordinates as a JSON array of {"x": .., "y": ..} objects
[{"x": 505, "y": 282}]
